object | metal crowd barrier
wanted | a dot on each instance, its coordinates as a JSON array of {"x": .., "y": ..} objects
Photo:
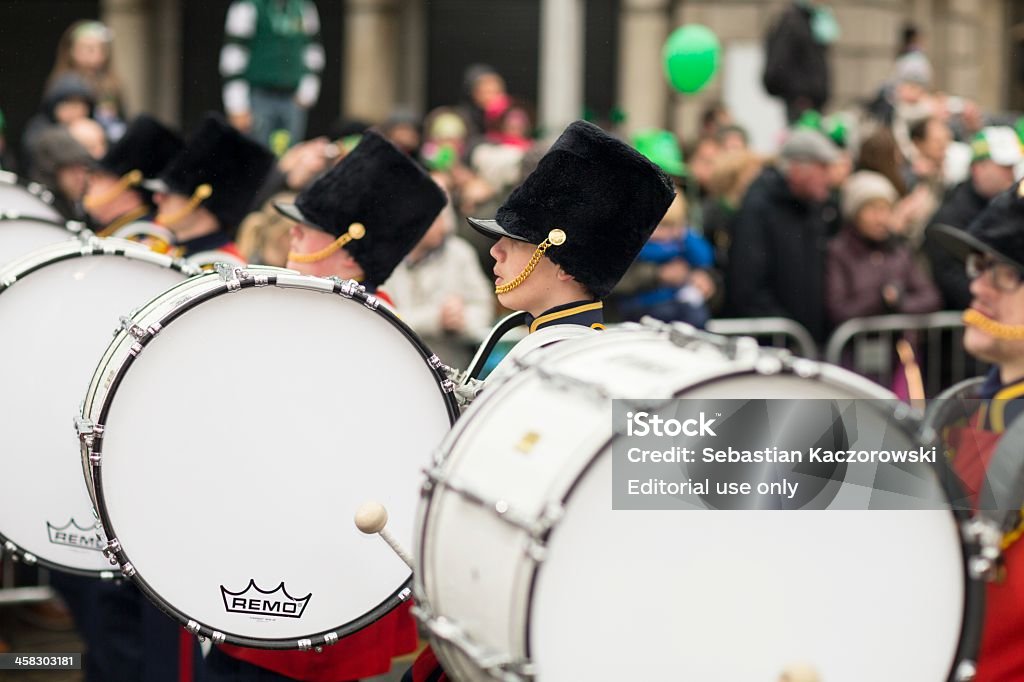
[
  {"x": 777, "y": 332},
  {"x": 865, "y": 346}
]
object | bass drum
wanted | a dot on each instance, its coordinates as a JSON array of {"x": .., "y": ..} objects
[
  {"x": 58, "y": 307},
  {"x": 526, "y": 572},
  {"x": 26, "y": 200},
  {"x": 234, "y": 428},
  {"x": 20, "y": 236}
]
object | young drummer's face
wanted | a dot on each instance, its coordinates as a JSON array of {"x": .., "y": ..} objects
[
  {"x": 510, "y": 258},
  {"x": 1006, "y": 307},
  {"x": 305, "y": 239}
]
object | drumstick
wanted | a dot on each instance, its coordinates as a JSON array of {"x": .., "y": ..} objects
[{"x": 371, "y": 518}]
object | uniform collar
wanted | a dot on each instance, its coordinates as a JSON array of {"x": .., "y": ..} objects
[
  {"x": 586, "y": 313},
  {"x": 994, "y": 385}
]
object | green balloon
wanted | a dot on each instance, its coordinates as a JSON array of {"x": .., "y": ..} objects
[{"x": 691, "y": 55}]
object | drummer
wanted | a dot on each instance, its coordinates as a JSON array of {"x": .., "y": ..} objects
[
  {"x": 568, "y": 233},
  {"x": 564, "y": 239},
  {"x": 115, "y": 196},
  {"x": 993, "y": 248},
  {"x": 208, "y": 188},
  {"x": 358, "y": 221}
]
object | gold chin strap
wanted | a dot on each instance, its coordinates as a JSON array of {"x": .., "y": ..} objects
[
  {"x": 126, "y": 219},
  {"x": 202, "y": 193},
  {"x": 556, "y": 237},
  {"x": 355, "y": 231},
  {"x": 1009, "y": 332},
  {"x": 127, "y": 181}
]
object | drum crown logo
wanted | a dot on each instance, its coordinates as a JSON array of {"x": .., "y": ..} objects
[
  {"x": 73, "y": 535},
  {"x": 258, "y": 602}
]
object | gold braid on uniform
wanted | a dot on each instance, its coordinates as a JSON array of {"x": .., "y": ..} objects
[
  {"x": 202, "y": 193},
  {"x": 556, "y": 237},
  {"x": 355, "y": 231},
  {"x": 1009, "y": 332},
  {"x": 127, "y": 181}
]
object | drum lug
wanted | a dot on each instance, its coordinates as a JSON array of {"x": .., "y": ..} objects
[
  {"x": 193, "y": 627},
  {"x": 536, "y": 528},
  {"x": 87, "y": 427},
  {"x": 501, "y": 667},
  {"x": 987, "y": 536},
  {"x": 113, "y": 547},
  {"x": 227, "y": 272},
  {"x": 305, "y": 644},
  {"x": 217, "y": 637},
  {"x": 965, "y": 672},
  {"x": 137, "y": 332},
  {"x": 349, "y": 288},
  {"x": 330, "y": 638},
  {"x": 128, "y": 570},
  {"x": 371, "y": 302}
]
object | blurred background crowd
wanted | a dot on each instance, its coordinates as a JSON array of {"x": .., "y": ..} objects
[{"x": 799, "y": 198}]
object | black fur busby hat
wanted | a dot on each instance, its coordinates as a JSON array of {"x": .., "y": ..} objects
[
  {"x": 380, "y": 189},
  {"x": 997, "y": 231},
  {"x": 604, "y": 196},
  {"x": 147, "y": 146},
  {"x": 221, "y": 162}
]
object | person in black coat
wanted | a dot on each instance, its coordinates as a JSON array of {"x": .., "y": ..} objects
[
  {"x": 777, "y": 256},
  {"x": 796, "y": 58}
]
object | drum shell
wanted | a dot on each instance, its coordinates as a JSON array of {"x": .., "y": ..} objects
[
  {"x": 59, "y": 304},
  {"x": 491, "y": 593},
  {"x": 26, "y": 199}
]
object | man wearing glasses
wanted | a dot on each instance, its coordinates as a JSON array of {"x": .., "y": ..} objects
[{"x": 993, "y": 251}]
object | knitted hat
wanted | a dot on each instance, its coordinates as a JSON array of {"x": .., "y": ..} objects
[{"x": 862, "y": 187}]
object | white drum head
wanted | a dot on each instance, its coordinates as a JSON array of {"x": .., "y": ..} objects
[
  {"x": 239, "y": 445},
  {"x": 32, "y": 200},
  {"x": 722, "y": 596},
  {"x": 57, "y": 318},
  {"x": 20, "y": 236}
]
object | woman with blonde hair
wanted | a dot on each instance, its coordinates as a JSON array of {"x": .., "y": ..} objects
[{"x": 85, "y": 50}]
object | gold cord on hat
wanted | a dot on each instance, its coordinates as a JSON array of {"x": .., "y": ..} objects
[
  {"x": 1000, "y": 330},
  {"x": 355, "y": 231},
  {"x": 556, "y": 237},
  {"x": 202, "y": 193},
  {"x": 126, "y": 182}
]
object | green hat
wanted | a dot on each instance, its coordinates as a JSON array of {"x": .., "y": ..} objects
[
  {"x": 661, "y": 147},
  {"x": 998, "y": 143}
]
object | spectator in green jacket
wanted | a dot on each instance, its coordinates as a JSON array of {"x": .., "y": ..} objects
[{"x": 271, "y": 63}]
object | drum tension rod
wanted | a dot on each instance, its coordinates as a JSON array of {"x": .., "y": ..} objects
[
  {"x": 536, "y": 528},
  {"x": 502, "y": 667}
]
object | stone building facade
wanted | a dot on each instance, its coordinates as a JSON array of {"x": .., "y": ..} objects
[{"x": 387, "y": 45}]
